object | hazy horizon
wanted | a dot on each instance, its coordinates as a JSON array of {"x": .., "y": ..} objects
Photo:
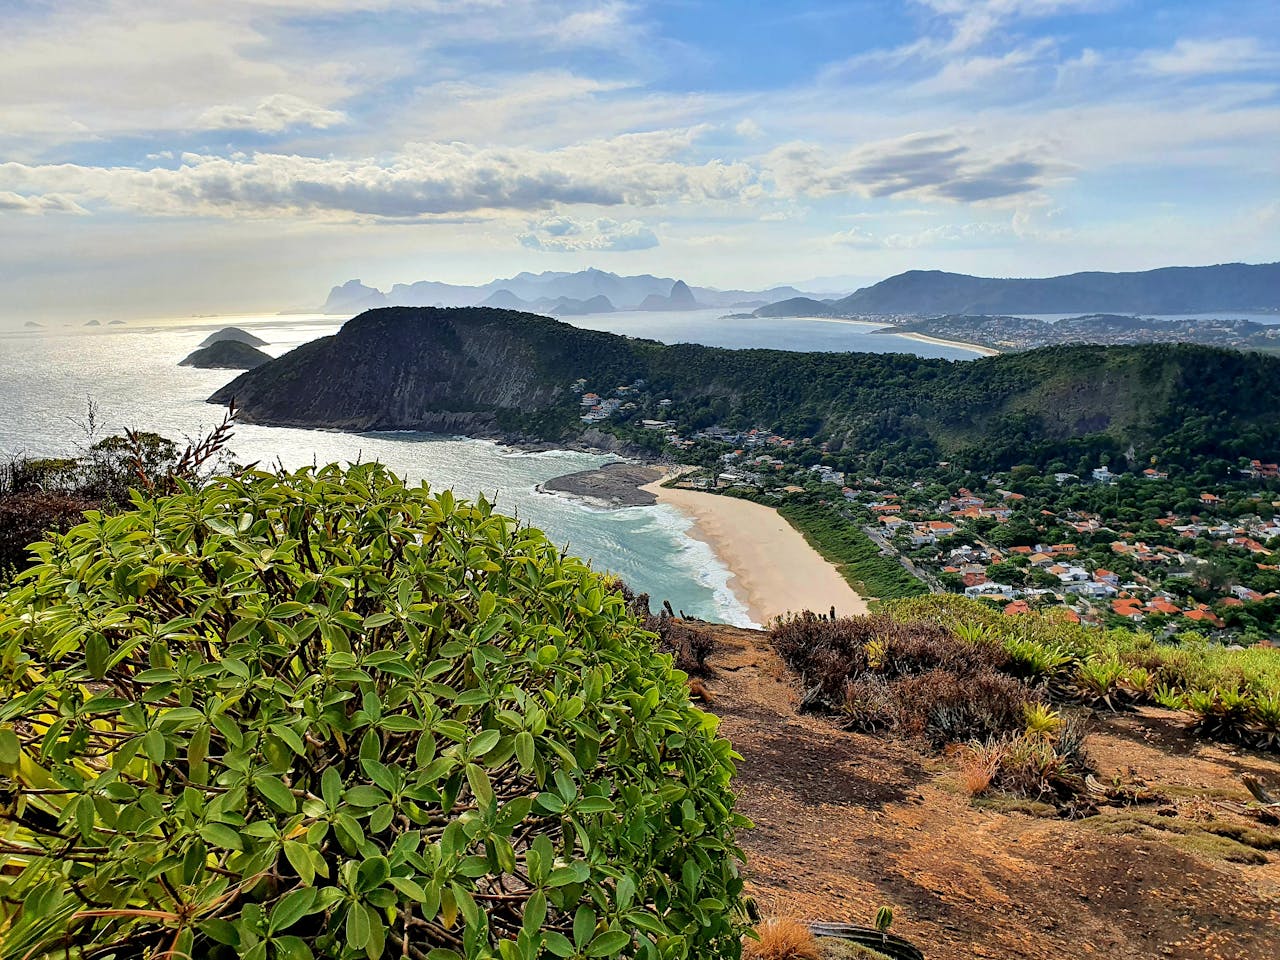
[{"x": 163, "y": 160}]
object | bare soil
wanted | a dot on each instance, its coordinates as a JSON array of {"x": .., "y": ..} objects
[{"x": 847, "y": 822}]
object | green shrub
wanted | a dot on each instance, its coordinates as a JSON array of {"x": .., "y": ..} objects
[{"x": 327, "y": 714}]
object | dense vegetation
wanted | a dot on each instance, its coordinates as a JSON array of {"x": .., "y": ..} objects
[
  {"x": 852, "y": 551},
  {"x": 51, "y": 494},
  {"x": 495, "y": 371},
  {"x": 327, "y": 714}
]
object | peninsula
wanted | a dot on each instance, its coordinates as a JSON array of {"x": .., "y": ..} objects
[{"x": 523, "y": 378}]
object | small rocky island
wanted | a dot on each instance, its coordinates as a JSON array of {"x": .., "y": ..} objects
[
  {"x": 226, "y": 355},
  {"x": 235, "y": 334},
  {"x": 614, "y": 485}
]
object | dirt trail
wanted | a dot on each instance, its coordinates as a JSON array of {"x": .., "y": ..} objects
[{"x": 847, "y": 822}]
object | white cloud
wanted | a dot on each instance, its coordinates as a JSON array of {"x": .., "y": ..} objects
[
  {"x": 424, "y": 180},
  {"x": 1198, "y": 57},
  {"x": 972, "y": 234},
  {"x": 748, "y": 129},
  {"x": 84, "y": 69},
  {"x": 38, "y": 204},
  {"x": 564, "y": 235},
  {"x": 274, "y": 114},
  {"x": 974, "y": 21},
  {"x": 937, "y": 167}
]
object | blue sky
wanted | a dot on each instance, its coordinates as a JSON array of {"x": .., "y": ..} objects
[{"x": 192, "y": 157}]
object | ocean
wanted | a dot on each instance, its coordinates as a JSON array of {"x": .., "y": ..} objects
[{"x": 131, "y": 372}]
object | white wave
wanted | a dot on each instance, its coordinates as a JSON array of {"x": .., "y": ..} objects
[{"x": 701, "y": 562}]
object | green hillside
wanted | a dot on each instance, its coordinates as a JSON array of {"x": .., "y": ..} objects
[{"x": 501, "y": 373}]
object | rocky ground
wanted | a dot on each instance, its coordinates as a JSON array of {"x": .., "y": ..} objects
[
  {"x": 612, "y": 485},
  {"x": 846, "y": 823}
]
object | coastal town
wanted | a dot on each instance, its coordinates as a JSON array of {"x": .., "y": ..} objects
[
  {"x": 1028, "y": 333},
  {"x": 1112, "y": 545}
]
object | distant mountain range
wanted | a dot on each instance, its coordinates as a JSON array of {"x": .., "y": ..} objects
[
  {"x": 556, "y": 293},
  {"x": 1238, "y": 287},
  {"x": 1169, "y": 290}
]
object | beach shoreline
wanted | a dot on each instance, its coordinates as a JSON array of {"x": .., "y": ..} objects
[
  {"x": 773, "y": 569},
  {"x": 938, "y": 341}
]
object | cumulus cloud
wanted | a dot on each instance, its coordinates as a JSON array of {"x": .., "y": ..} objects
[
  {"x": 272, "y": 115},
  {"x": 424, "y": 180},
  {"x": 923, "y": 167},
  {"x": 564, "y": 235},
  {"x": 39, "y": 204}
]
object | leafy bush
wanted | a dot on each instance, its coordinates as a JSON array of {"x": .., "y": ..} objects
[{"x": 327, "y": 714}]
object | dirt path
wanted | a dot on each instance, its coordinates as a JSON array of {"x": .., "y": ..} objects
[{"x": 847, "y": 822}]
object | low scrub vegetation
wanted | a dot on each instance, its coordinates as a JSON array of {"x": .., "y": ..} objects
[
  {"x": 326, "y": 714},
  {"x": 1229, "y": 694},
  {"x": 1015, "y": 693},
  {"x": 919, "y": 678},
  {"x": 781, "y": 939}
]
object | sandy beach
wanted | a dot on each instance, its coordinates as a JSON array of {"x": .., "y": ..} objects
[
  {"x": 774, "y": 569},
  {"x": 976, "y": 347}
]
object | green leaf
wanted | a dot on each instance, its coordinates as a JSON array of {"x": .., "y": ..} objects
[
  {"x": 291, "y": 908},
  {"x": 365, "y": 795},
  {"x": 584, "y": 925},
  {"x": 535, "y": 911},
  {"x": 524, "y": 750},
  {"x": 358, "y": 926},
  {"x": 550, "y": 802},
  {"x": 483, "y": 742},
  {"x": 331, "y": 787},
  {"x": 276, "y": 792},
  {"x": 221, "y": 835},
  {"x": 558, "y": 944},
  {"x": 410, "y": 888},
  {"x": 299, "y": 857},
  {"x": 153, "y": 745},
  {"x": 608, "y": 944},
  {"x": 290, "y": 738},
  {"x": 10, "y": 746},
  {"x": 481, "y": 787},
  {"x": 372, "y": 874}
]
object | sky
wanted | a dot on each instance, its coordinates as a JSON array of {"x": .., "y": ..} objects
[{"x": 193, "y": 156}]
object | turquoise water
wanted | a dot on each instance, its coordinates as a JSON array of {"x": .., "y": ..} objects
[{"x": 131, "y": 372}]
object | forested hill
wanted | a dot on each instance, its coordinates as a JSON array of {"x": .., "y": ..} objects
[
  {"x": 1169, "y": 290},
  {"x": 484, "y": 372}
]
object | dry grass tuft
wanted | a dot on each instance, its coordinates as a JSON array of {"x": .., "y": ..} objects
[
  {"x": 976, "y": 774},
  {"x": 781, "y": 939}
]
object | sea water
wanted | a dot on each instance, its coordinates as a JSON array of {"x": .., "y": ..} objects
[{"x": 130, "y": 372}]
